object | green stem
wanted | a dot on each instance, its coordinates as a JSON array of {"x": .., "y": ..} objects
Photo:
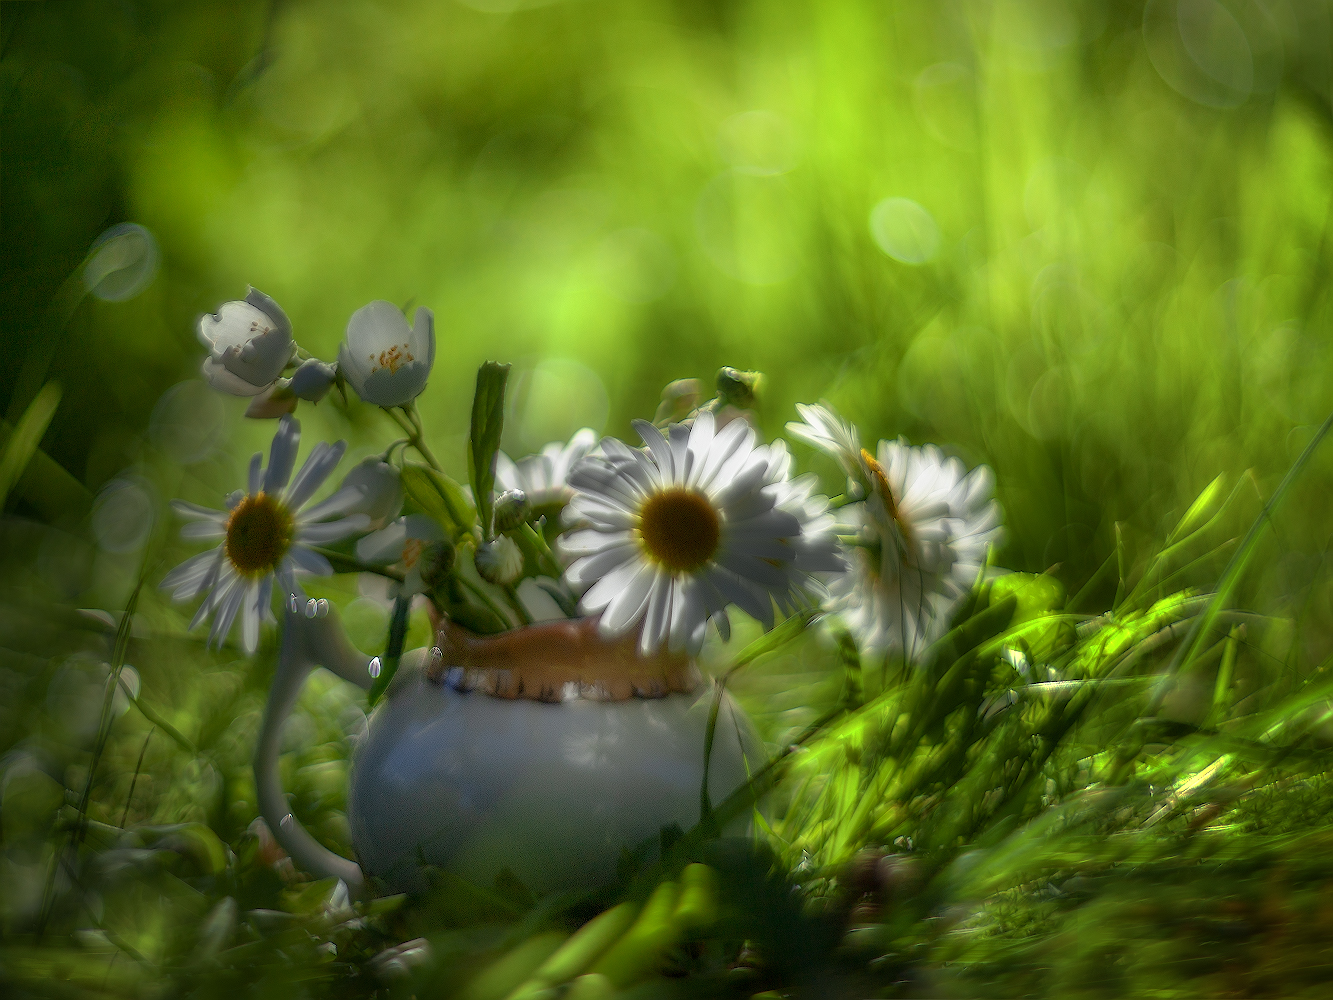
[
  {"x": 411, "y": 426},
  {"x": 344, "y": 563}
]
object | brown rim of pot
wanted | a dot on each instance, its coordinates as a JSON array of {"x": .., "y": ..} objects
[{"x": 555, "y": 661}]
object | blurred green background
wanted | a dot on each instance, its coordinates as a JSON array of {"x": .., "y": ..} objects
[{"x": 1086, "y": 243}]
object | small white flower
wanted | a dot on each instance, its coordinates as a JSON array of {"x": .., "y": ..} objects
[
  {"x": 379, "y": 488},
  {"x": 249, "y": 344},
  {"x": 499, "y": 561},
  {"x": 263, "y": 533},
  {"x": 544, "y": 477},
  {"x": 402, "y": 543},
  {"x": 822, "y": 428},
  {"x": 681, "y": 530},
  {"x": 923, "y": 534},
  {"x": 386, "y": 361}
]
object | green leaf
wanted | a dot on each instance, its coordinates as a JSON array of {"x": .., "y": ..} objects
[
  {"x": 26, "y": 437},
  {"x": 439, "y": 497},
  {"x": 488, "y": 414},
  {"x": 393, "y": 650},
  {"x": 1200, "y": 510}
]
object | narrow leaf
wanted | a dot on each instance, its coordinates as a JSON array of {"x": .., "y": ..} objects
[
  {"x": 26, "y": 437},
  {"x": 393, "y": 650},
  {"x": 440, "y": 498},
  {"x": 487, "y": 423}
]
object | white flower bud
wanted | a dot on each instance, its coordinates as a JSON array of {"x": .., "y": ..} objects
[
  {"x": 500, "y": 561},
  {"x": 381, "y": 488},
  {"x": 312, "y": 380},
  {"x": 383, "y": 359}
]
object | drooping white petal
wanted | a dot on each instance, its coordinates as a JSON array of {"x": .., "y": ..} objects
[{"x": 627, "y": 606}]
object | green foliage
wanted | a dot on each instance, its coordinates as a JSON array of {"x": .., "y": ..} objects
[{"x": 484, "y": 441}]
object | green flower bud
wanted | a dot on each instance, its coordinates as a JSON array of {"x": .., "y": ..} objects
[
  {"x": 500, "y": 561},
  {"x": 737, "y": 387},
  {"x": 511, "y": 510}
]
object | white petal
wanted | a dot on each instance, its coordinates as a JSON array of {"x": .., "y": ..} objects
[
  {"x": 282, "y": 455},
  {"x": 190, "y": 577},
  {"x": 592, "y": 568},
  {"x": 312, "y": 475},
  {"x": 223, "y": 380},
  {"x": 628, "y": 605},
  {"x": 657, "y": 619},
  {"x": 204, "y": 531},
  {"x": 250, "y": 616},
  {"x": 302, "y": 560},
  {"x": 255, "y": 476},
  {"x": 610, "y": 586},
  {"x": 332, "y": 531},
  {"x": 197, "y": 513}
]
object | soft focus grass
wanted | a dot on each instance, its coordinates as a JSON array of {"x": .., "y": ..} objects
[{"x": 1129, "y": 294}]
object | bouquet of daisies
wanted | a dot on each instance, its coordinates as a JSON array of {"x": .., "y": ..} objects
[{"x": 658, "y": 539}]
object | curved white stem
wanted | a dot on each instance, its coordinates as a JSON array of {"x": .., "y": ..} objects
[{"x": 306, "y": 643}]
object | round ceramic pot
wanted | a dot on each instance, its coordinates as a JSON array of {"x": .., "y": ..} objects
[{"x": 546, "y": 751}]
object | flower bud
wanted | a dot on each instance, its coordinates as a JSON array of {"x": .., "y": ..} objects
[
  {"x": 500, "y": 561},
  {"x": 436, "y": 563},
  {"x": 312, "y": 380},
  {"x": 511, "y": 510},
  {"x": 381, "y": 490},
  {"x": 737, "y": 388}
]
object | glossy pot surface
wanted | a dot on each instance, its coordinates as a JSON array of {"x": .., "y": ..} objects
[{"x": 551, "y": 790}]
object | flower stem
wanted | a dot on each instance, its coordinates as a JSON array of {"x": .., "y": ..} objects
[
  {"x": 344, "y": 563},
  {"x": 410, "y": 425}
]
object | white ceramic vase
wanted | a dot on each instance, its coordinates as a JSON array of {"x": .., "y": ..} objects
[{"x": 545, "y": 751}]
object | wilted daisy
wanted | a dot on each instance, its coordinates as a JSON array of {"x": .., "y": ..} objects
[
  {"x": 921, "y": 540},
  {"x": 679, "y": 531},
  {"x": 263, "y": 533}
]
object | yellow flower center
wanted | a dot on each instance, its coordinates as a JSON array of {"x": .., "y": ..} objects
[
  {"x": 393, "y": 359},
  {"x": 680, "y": 529},
  {"x": 259, "y": 532}
]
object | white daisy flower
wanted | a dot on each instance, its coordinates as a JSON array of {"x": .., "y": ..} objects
[
  {"x": 402, "y": 543},
  {"x": 680, "y": 530},
  {"x": 544, "y": 477},
  {"x": 249, "y": 344},
  {"x": 386, "y": 361},
  {"x": 922, "y": 537},
  {"x": 263, "y": 533}
]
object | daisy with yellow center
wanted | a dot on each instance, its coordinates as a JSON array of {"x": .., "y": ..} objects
[
  {"x": 672, "y": 535},
  {"x": 264, "y": 534}
]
